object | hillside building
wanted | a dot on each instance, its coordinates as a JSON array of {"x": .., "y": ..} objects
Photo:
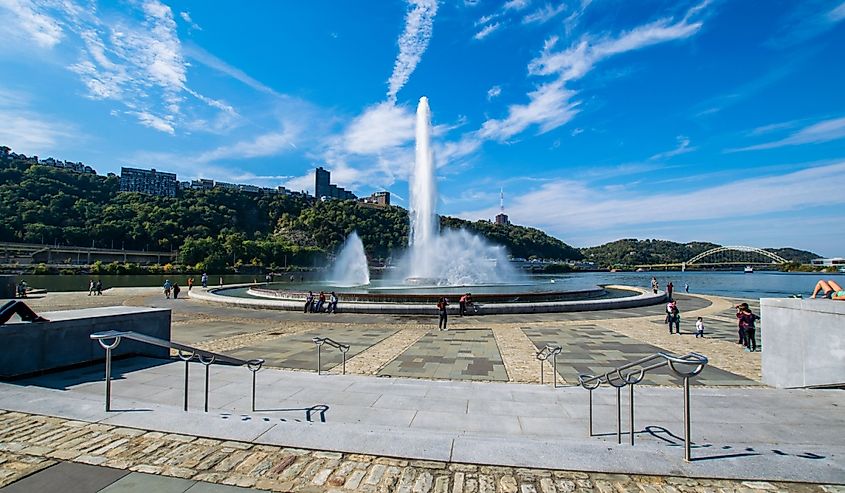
[
  {"x": 377, "y": 198},
  {"x": 150, "y": 182},
  {"x": 325, "y": 190}
]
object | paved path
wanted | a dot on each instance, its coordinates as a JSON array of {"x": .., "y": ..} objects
[{"x": 737, "y": 433}]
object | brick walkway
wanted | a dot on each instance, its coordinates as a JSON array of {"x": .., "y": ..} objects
[{"x": 30, "y": 443}]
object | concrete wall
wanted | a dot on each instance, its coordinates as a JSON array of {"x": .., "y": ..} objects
[
  {"x": 803, "y": 342},
  {"x": 64, "y": 341}
]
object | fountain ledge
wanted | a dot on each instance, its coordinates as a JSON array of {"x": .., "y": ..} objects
[{"x": 640, "y": 297}]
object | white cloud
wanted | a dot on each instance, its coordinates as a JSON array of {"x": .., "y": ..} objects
[
  {"x": 198, "y": 54},
  {"x": 186, "y": 16},
  {"x": 544, "y": 14},
  {"x": 823, "y": 131},
  {"x": 516, "y": 4},
  {"x": 32, "y": 133},
  {"x": 570, "y": 205},
  {"x": 155, "y": 122},
  {"x": 24, "y": 17},
  {"x": 487, "y": 30},
  {"x": 380, "y": 127},
  {"x": 267, "y": 144},
  {"x": 838, "y": 13},
  {"x": 412, "y": 44},
  {"x": 683, "y": 147},
  {"x": 494, "y": 92},
  {"x": 551, "y": 104}
]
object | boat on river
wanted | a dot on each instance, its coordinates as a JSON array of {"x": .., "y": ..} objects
[{"x": 748, "y": 269}]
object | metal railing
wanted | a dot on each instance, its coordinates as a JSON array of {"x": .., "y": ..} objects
[
  {"x": 319, "y": 341},
  {"x": 686, "y": 367},
  {"x": 186, "y": 353},
  {"x": 550, "y": 351}
]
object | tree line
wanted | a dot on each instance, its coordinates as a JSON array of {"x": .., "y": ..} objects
[{"x": 218, "y": 228}]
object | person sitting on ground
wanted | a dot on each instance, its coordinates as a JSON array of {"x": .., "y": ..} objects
[
  {"x": 21, "y": 309},
  {"x": 830, "y": 288}
]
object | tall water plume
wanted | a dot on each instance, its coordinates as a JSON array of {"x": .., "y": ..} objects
[
  {"x": 456, "y": 257},
  {"x": 350, "y": 266},
  {"x": 424, "y": 222}
]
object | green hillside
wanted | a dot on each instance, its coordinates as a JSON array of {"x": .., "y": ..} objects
[{"x": 43, "y": 204}]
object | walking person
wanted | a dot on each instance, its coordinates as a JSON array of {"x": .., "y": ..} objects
[
  {"x": 462, "y": 305},
  {"x": 441, "y": 307},
  {"x": 699, "y": 328},
  {"x": 99, "y": 287},
  {"x": 204, "y": 280},
  {"x": 190, "y": 283},
  {"x": 686, "y": 287},
  {"x": 176, "y": 290},
  {"x": 221, "y": 281},
  {"x": 739, "y": 325},
  {"x": 746, "y": 323},
  {"x": 91, "y": 287},
  {"x": 669, "y": 288},
  {"x": 654, "y": 285},
  {"x": 673, "y": 317},
  {"x": 308, "y": 300},
  {"x": 167, "y": 288}
]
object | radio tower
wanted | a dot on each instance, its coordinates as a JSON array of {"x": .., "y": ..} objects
[{"x": 502, "y": 218}]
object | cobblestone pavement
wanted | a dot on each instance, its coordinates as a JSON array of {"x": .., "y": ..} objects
[{"x": 30, "y": 443}]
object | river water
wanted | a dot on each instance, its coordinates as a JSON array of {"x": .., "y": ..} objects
[{"x": 730, "y": 284}]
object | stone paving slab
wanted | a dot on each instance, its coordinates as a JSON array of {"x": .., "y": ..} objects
[
  {"x": 66, "y": 477},
  {"x": 593, "y": 350},
  {"x": 299, "y": 351},
  {"x": 451, "y": 355}
]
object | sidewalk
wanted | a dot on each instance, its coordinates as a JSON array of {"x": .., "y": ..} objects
[{"x": 743, "y": 433}]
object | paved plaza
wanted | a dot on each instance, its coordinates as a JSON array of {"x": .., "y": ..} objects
[
  {"x": 440, "y": 423},
  {"x": 451, "y": 355}
]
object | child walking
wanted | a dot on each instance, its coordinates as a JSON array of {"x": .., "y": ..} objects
[{"x": 699, "y": 328}]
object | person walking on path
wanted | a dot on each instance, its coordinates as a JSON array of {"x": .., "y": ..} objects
[
  {"x": 746, "y": 320},
  {"x": 308, "y": 300},
  {"x": 441, "y": 307},
  {"x": 221, "y": 281},
  {"x": 654, "y": 285},
  {"x": 699, "y": 328},
  {"x": 176, "y": 290},
  {"x": 673, "y": 317},
  {"x": 686, "y": 287},
  {"x": 190, "y": 283},
  {"x": 669, "y": 288},
  {"x": 333, "y": 303},
  {"x": 99, "y": 287},
  {"x": 167, "y": 287},
  {"x": 462, "y": 305},
  {"x": 739, "y": 326},
  {"x": 204, "y": 280},
  {"x": 91, "y": 287}
]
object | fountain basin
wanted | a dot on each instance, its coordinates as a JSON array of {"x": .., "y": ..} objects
[{"x": 609, "y": 297}]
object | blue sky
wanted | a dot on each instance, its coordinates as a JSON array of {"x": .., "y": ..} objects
[{"x": 706, "y": 120}]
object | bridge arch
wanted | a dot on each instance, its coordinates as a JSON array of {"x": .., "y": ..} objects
[{"x": 715, "y": 251}]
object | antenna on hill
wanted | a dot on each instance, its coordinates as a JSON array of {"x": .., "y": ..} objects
[{"x": 502, "y": 200}]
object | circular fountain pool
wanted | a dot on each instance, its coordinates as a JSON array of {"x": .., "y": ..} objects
[{"x": 534, "y": 295}]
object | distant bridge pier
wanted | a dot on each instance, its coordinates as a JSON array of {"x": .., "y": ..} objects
[{"x": 683, "y": 266}]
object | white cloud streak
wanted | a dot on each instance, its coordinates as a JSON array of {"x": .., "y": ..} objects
[
  {"x": 552, "y": 104},
  {"x": 27, "y": 18},
  {"x": 571, "y": 205},
  {"x": 494, "y": 92},
  {"x": 516, "y": 5},
  {"x": 682, "y": 148},
  {"x": 487, "y": 31},
  {"x": 823, "y": 131},
  {"x": 413, "y": 42},
  {"x": 198, "y": 54},
  {"x": 544, "y": 14}
]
